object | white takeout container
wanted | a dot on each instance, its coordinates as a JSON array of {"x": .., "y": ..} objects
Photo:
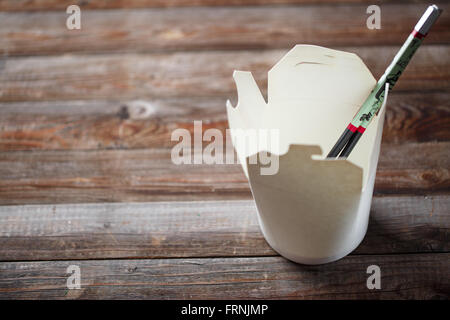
[{"x": 313, "y": 210}]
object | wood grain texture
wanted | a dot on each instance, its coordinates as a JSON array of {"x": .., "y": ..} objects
[
  {"x": 414, "y": 117},
  {"x": 85, "y": 124},
  {"x": 211, "y": 28},
  {"x": 105, "y": 124},
  {"x": 411, "y": 276},
  {"x": 149, "y": 175},
  {"x": 411, "y": 168},
  {"x": 38, "y": 5},
  {"x": 198, "y": 229},
  {"x": 144, "y": 76},
  {"x": 113, "y": 176},
  {"x": 57, "y": 125}
]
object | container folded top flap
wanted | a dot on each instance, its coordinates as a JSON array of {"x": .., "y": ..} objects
[
  {"x": 313, "y": 72},
  {"x": 313, "y": 93}
]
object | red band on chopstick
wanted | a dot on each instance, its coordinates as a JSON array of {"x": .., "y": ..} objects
[
  {"x": 418, "y": 34},
  {"x": 361, "y": 129},
  {"x": 351, "y": 127}
]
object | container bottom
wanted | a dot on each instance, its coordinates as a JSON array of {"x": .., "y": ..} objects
[{"x": 312, "y": 261}]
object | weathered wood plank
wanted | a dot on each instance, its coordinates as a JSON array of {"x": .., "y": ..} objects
[
  {"x": 198, "y": 229},
  {"x": 413, "y": 168},
  {"x": 105, "y": 124},
  {"x": 127, "y": 76},
  {"x": 149, "y": 175},
  {"x": 410, "y": 117},
  {"x": 411, "y": 276},
  {"x": 211, "y": 28},
  {"x": 111, "y": 176},
  {"x": 417, "y": 117},
  {"x": 38, "y": 5}
]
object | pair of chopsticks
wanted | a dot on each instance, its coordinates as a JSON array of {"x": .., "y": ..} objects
[{"x": 374, "y": 101}]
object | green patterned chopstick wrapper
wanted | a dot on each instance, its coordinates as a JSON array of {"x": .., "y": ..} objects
[{"x": 374, "y": 101}]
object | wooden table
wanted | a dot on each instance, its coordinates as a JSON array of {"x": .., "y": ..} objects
[{"x": 86, "y": 178}]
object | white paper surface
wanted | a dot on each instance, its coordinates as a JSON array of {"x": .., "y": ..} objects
[{"x": 313, "y": 210}]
